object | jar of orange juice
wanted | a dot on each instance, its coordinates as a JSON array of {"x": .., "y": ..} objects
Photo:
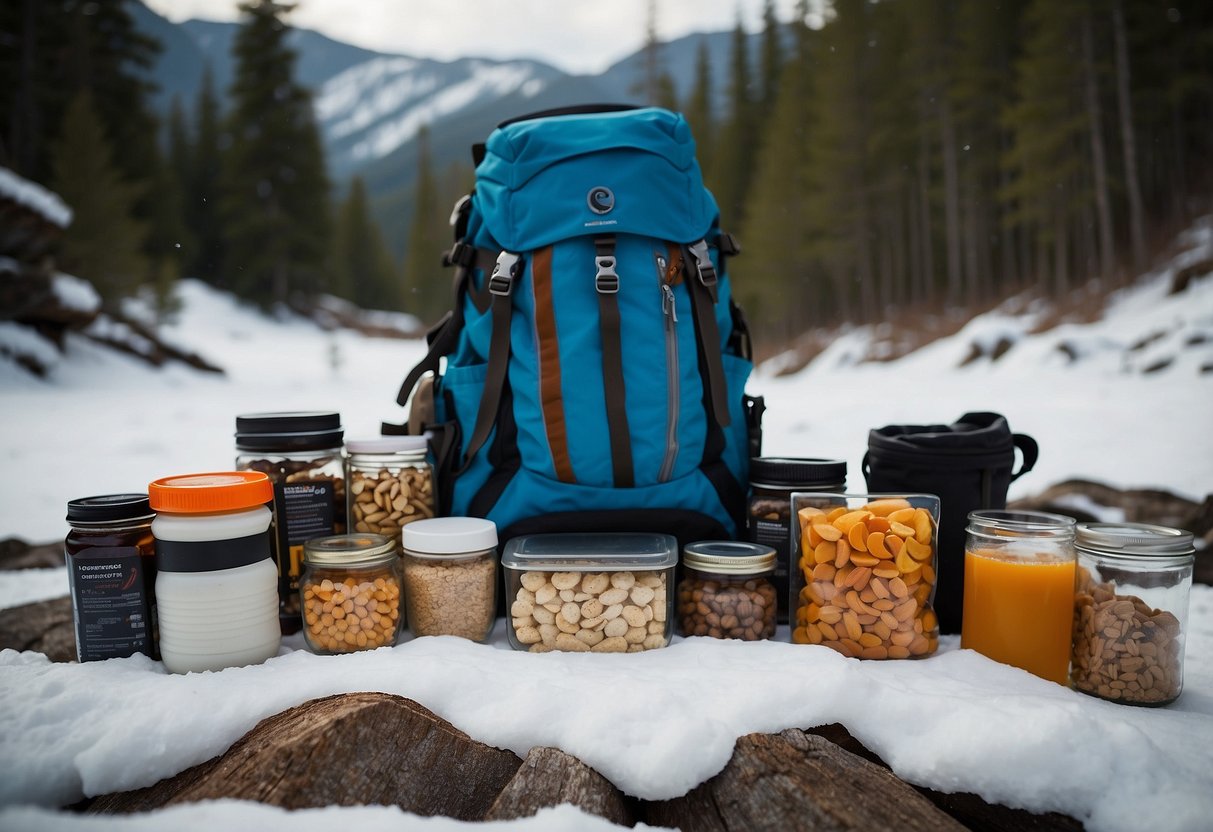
[{"x": 1019, "y": 590}]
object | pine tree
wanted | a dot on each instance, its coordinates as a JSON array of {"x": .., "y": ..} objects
[
  {"x": 426, "y": 290},
  {"x": 699, "y": 111},
  {"x": 733, "y": 156},
  {"x": 104, "y": 242},
  {"x": 202, "y": 206},
  {"x": 655, "y": 85},
  {"x": 363, "y": 269},
  {"x": 772, "y": 60},
  {"x": 275, "y": 203}
]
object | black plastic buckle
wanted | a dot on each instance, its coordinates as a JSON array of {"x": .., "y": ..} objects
[
  {"x": 501, "y": 282},
  {"x": 606, "y": 280},
  {"x": 703, "y": 263},
  {"x": 461, "y": 254}
]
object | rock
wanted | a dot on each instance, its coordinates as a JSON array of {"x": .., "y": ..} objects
[
  {"x": 45, "y": 627},
  {"x": 17, "y": 554},
  {"x": 352, "y": 749},
  {"x": 549, "y": 777}
]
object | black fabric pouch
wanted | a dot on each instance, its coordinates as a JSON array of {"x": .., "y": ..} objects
[{"x": 969, "y": 465}]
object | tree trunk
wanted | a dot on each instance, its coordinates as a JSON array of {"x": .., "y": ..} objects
[
  {"x": 549, "y": 777},
  {"x": 1103, "y": 208},
  {"x": 951, "y": 198},
  {"x": 924, "y": 213},
  {"x": 1128, "y": 139}
]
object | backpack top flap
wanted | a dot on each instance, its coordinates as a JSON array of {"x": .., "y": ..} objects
[{"x": 556, "y": 177}]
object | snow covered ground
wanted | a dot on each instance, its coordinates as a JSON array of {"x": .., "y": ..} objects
[{"x": 657, "y": 723}]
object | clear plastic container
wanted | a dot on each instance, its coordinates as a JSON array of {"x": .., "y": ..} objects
[
  {"x": 866, "y": 571},
  {"x": 1019, "y": 589},
  {"x": 1132, "y": 584},
  {"x": 450, "y": 576},
  {"x": 301, "y": 454},
  {"x": 350, "y": 593},
  {"x": 389, "y": 482},
  {"x": 216, "y": 583},
  {"x": 605, "y": 593},
  {"x": 726, "y": 590}
]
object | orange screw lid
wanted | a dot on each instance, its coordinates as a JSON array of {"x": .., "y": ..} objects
[{"x": 201, "y": 493}]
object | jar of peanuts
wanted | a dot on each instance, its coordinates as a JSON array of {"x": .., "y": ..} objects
[
  {"x": 1130, "y": 611},
  {"x": 350, "y": 593},
  {"x": 727, "y": 590},
  {"x": 389, "y": 483},
  {"x": 864, "y": 577}
]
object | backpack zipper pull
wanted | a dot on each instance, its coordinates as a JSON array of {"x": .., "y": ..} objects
[{"x": 668, "y": 305}]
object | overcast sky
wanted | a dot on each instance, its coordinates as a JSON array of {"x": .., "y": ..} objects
[{"x": 575, "y": 35}]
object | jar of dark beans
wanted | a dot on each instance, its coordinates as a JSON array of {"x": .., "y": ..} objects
[
  {"x": 301, "y": 453},
  {"x": 727, "y": 591}
]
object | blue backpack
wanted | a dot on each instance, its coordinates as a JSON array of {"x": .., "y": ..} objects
[{"x": 595, "y": 362}]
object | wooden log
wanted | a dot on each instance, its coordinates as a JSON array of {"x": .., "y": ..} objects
[
  {"x": 45, "y": 627},
  {"x": 549, "y": 777},
  {"x": 795, "y": 780},
  {"x": 969, "y": 809},
  {"x": 15, "y": 553},
  {"x": 346, "y": 750}
]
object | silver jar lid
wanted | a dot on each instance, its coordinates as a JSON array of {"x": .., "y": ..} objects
[
  {"x": 729, "y": 557},
  {"x": 349, "y": 550},
  {"x": 1135, "y": 540}
]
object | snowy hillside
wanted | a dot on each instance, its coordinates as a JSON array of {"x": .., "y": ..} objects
[
  {"x": 103, "y": 422},
  {"x": 373, "y": 108}
]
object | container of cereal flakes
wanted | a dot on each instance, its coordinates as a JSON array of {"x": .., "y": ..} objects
[{"x": 601, "y": 593}]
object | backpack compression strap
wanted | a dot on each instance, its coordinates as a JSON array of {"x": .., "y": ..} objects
[
  {"x": 702, "y": 285},
  {"x": 501, "y": 287},
  {"x": 606, "y": 281}
]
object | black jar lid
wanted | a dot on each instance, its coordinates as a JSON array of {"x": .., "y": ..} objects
[
  {"x": 796, "y": 472},
  {"x": 300, "y": 431},
  {"x": 109, "y": 508}
]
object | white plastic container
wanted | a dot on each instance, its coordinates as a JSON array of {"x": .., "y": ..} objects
[{"x": 216, "y": 581}]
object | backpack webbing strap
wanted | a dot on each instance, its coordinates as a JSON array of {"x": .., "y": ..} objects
[
  {"x": 442, "y": 337},
  {"x": 606, "y": 281},
  {"x": 702, "y": 285},
  {"x": 501, "y": 287}
]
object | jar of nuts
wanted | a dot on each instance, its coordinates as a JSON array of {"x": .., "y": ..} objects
[
  {"x": 450, "y": 576},
  {"x": 865, "y": 576},
  {"x": 601, "y": 593},
  {"x": 389, "y": 482},
  {"x": 301, "y": 454},
  {"x": 350, "y": 592},
  {"x": 1130, "y": 611},
  {"x": 726, "y": 591}
]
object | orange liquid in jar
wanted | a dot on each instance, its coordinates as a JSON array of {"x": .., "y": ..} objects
[{"x": 1019, "y": 611}]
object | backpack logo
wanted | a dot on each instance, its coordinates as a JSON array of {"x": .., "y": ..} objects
[{"x": 600, "y": 200}]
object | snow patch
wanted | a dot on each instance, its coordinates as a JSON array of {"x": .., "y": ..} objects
[
  {"x": 29, "y": 586},
  {"x": 75, "y": 293},
  {"x": 35, "y": 197},
  {"x": 21, "y": 341}
]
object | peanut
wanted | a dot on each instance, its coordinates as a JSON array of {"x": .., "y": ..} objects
[
  {"x": 871, "y": 601},
  {"x": 386, "y": 500}
]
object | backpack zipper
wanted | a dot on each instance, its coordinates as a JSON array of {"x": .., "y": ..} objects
[{"x": 670, "y": 313}]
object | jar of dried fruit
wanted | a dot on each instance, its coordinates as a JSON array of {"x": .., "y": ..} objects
[
  {"x": 1131, "y": 611},
  {"x": 726, "y": 590},
  {"x": 301, "y": 454},
  {"x": 350, "y": 592},
  {"x": 390, "y": 483}
]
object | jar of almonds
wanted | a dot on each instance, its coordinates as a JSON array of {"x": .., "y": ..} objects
[
  {"x": 350, "y": 593},
  {"x": 389, "y": 482},
  {"x": 727, "y": 590},
  {"x": 1130, "y": 611}
]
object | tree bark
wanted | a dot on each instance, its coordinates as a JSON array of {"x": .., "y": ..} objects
[
  {"x": 347, "y": 750},
  {"x": 951, "y": 198},
  {"x": 795, "y": 780},
  {"x": 1128, "y": 139},
  {"x": 1099, "y": 162},
  {"x": 549, "y": 777}
]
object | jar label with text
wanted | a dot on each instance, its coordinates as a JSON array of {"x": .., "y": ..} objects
[{"x": 113, "y": 610}]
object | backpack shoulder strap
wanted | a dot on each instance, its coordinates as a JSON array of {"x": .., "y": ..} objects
[{"x": 702, "y": 286}]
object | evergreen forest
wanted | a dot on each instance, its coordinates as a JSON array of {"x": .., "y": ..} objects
[{"x": 876, "y": 160}]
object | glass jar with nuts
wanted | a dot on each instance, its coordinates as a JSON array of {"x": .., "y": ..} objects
[
  {"x": 301, "y": 454},
  {"x": 1130, "y": 611},
  {"x": 865, "y": 575},
  {"x": 726, "y": 591},
  {"x": 590, "y": 593},
  {"x": 350, "y": 591},
  {"x": 390, "y": 483}
]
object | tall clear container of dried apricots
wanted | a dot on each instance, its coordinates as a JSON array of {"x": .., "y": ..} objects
[
  {"x": 864, "y": 577},
  {"x": 350, "y": 592}
]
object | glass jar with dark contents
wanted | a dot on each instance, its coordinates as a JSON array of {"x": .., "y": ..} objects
[
  {"x": 301, "y": 453},
  {"x": 111, "y": 567},
  {"x": 726, "y": 590},
  {"x": 769, "y": 515}
]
